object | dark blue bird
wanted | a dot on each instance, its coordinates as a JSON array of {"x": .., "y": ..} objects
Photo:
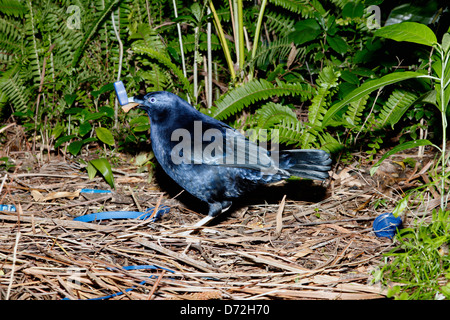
[{"x": 213, "y": 161}]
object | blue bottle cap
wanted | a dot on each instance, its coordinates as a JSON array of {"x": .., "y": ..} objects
[
  {"x": 385, "y": 225},
  {"x": 121, "y": 93}
]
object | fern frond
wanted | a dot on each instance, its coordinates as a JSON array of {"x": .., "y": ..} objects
[
  {"x": 34, "y": 50},
  {"x": 266, "y": 53},
  {"x": 92, "y": 30},
  {"x": 11, "y": 40},
  {"x": 355, "y": 109},
  {"x": 329, "y": 143},
  {"x": 236, "y": 99},
  {"x": 272, "y": 113},
  {"x": 306, "y": 8},
  {"x": 12, "y": 8},
  {"x": 397, "y": 104},
  {"x": 279, "y": 23},
  {"x": 328, "y": 79},
  {"x": 290, "y": 131},
  {"x": 13, "y": 87},
  {"x": 164, "y": 60}
]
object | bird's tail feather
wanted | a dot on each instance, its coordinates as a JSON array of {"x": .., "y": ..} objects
[{"x": 306, "y": 163}]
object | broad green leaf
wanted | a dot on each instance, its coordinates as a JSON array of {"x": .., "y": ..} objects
[
  {"x": 94, "y": 116},
  {"x": 70, "y": 99},
  {"x": 87, "y": 140},
  {"x": 401, "y": 206},
  {"x": 63, "y": 139},
  {"x": 350, "y": 77},
  {"x": 305, "y": 30},
  {"x": 92, "y": 171},
  {"x": 105, "y": 136},
  {"x": 353, "y": 10},
  {"x": 408, "y": 31},
  {"x": 108, "y": 111},
  {"x": 75, "y": 147},
  {"x": 104, "y": 167},
  {"x": 338, "y": 44},
  {"x": 401, "y": 147},
  {"x": 73, "y": 110},
  {"x": 105, "y": 88},
  {"x": 85, "y": 127},
  {"x": 446, "y": 42},
  {"x": 367, "y": 88}
]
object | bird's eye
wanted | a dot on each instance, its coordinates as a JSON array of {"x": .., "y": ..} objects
[{"x": 152, "y": 100}]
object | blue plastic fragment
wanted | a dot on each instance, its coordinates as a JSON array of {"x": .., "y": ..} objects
[
  {"x": 106, "y": 215},
  {"x": 121, "y": 93},
  {"x": 385, "y": 225},
  {"x": 7, "y": 207},
  {"x": 139, "y": 267},
  {"x": 94, "y": 191}
]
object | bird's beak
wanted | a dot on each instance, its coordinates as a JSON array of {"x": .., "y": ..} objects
[{"x": 133, "y": 102}]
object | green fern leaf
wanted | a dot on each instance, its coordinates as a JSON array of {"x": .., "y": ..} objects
[
  {"x": 266, "y": 53},
  {"x": 290, "y": 131},
  {"x": 12, "y": 8},
  {"x": 397, "y": 104},
  {"x": 279, "y": 23},
  {"x": 238, "y": 98},
  {"x": 328, "y": 79},
  {"x": 355, "y": 109},
  {"x": 329, "y": 143},
  {"x": 164, "y": 60},
  {"x": 273, "y": 113},
  {"x": 13, "y": 87},
  {"x": 93, "y": 29},
  {"x": 306, "y": 8}
]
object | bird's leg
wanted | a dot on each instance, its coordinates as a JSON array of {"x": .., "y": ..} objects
[{"x": 215, "y": 209}]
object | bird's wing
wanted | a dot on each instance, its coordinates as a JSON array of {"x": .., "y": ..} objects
[{"x": 232, "y": 149}]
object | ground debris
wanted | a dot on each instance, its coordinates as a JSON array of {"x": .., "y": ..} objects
[{"x": 303, "y": 249}]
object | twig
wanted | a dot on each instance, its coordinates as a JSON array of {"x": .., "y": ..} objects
[
  {"x": 3, "y": 182},
  {"x": 150, "y": 295},
  {"x": 174, "y": 254},
  {"x": 11, "y": 277},
  {"x": 279, "y": 220}
]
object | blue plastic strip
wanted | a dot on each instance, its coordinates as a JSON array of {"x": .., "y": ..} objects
[
  {"x": 139, "y": 267},
  {"x": 106, "y": 215},
  {"x": 94, "y": 191},
  {"x": 8, "y": 207}
]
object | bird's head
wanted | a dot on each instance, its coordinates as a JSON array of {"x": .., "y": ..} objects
[
  {"x": 155, "y": 100},
  {"x": 158, "y": 102}
]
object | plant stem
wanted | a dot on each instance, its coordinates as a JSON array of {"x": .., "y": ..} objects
[
  {"x": 241, "y": 34},
  {"x": 223, "y": 41},
  {"x": 119, "y": 71},
  {"x": 209, "y": 84},
  {"x": 443, "y": 107},
  {"x": 257, "y": 33},
  {"x": 180, "y": 40}
]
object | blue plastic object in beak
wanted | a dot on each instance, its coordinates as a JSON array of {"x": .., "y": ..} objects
[{"x": 126, "y": 102}]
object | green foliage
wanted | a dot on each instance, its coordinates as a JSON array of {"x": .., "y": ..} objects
[
  {"x": 101, "y": 165},
  {"x": 395, "y": 107},
  {"x": 419, "y": 264},
  {"x": 246, "y": 94},
  {"x": 165, "y": 60}
]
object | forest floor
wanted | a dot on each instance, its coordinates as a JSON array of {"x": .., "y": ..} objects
[{"x": 317, "y": 243}]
